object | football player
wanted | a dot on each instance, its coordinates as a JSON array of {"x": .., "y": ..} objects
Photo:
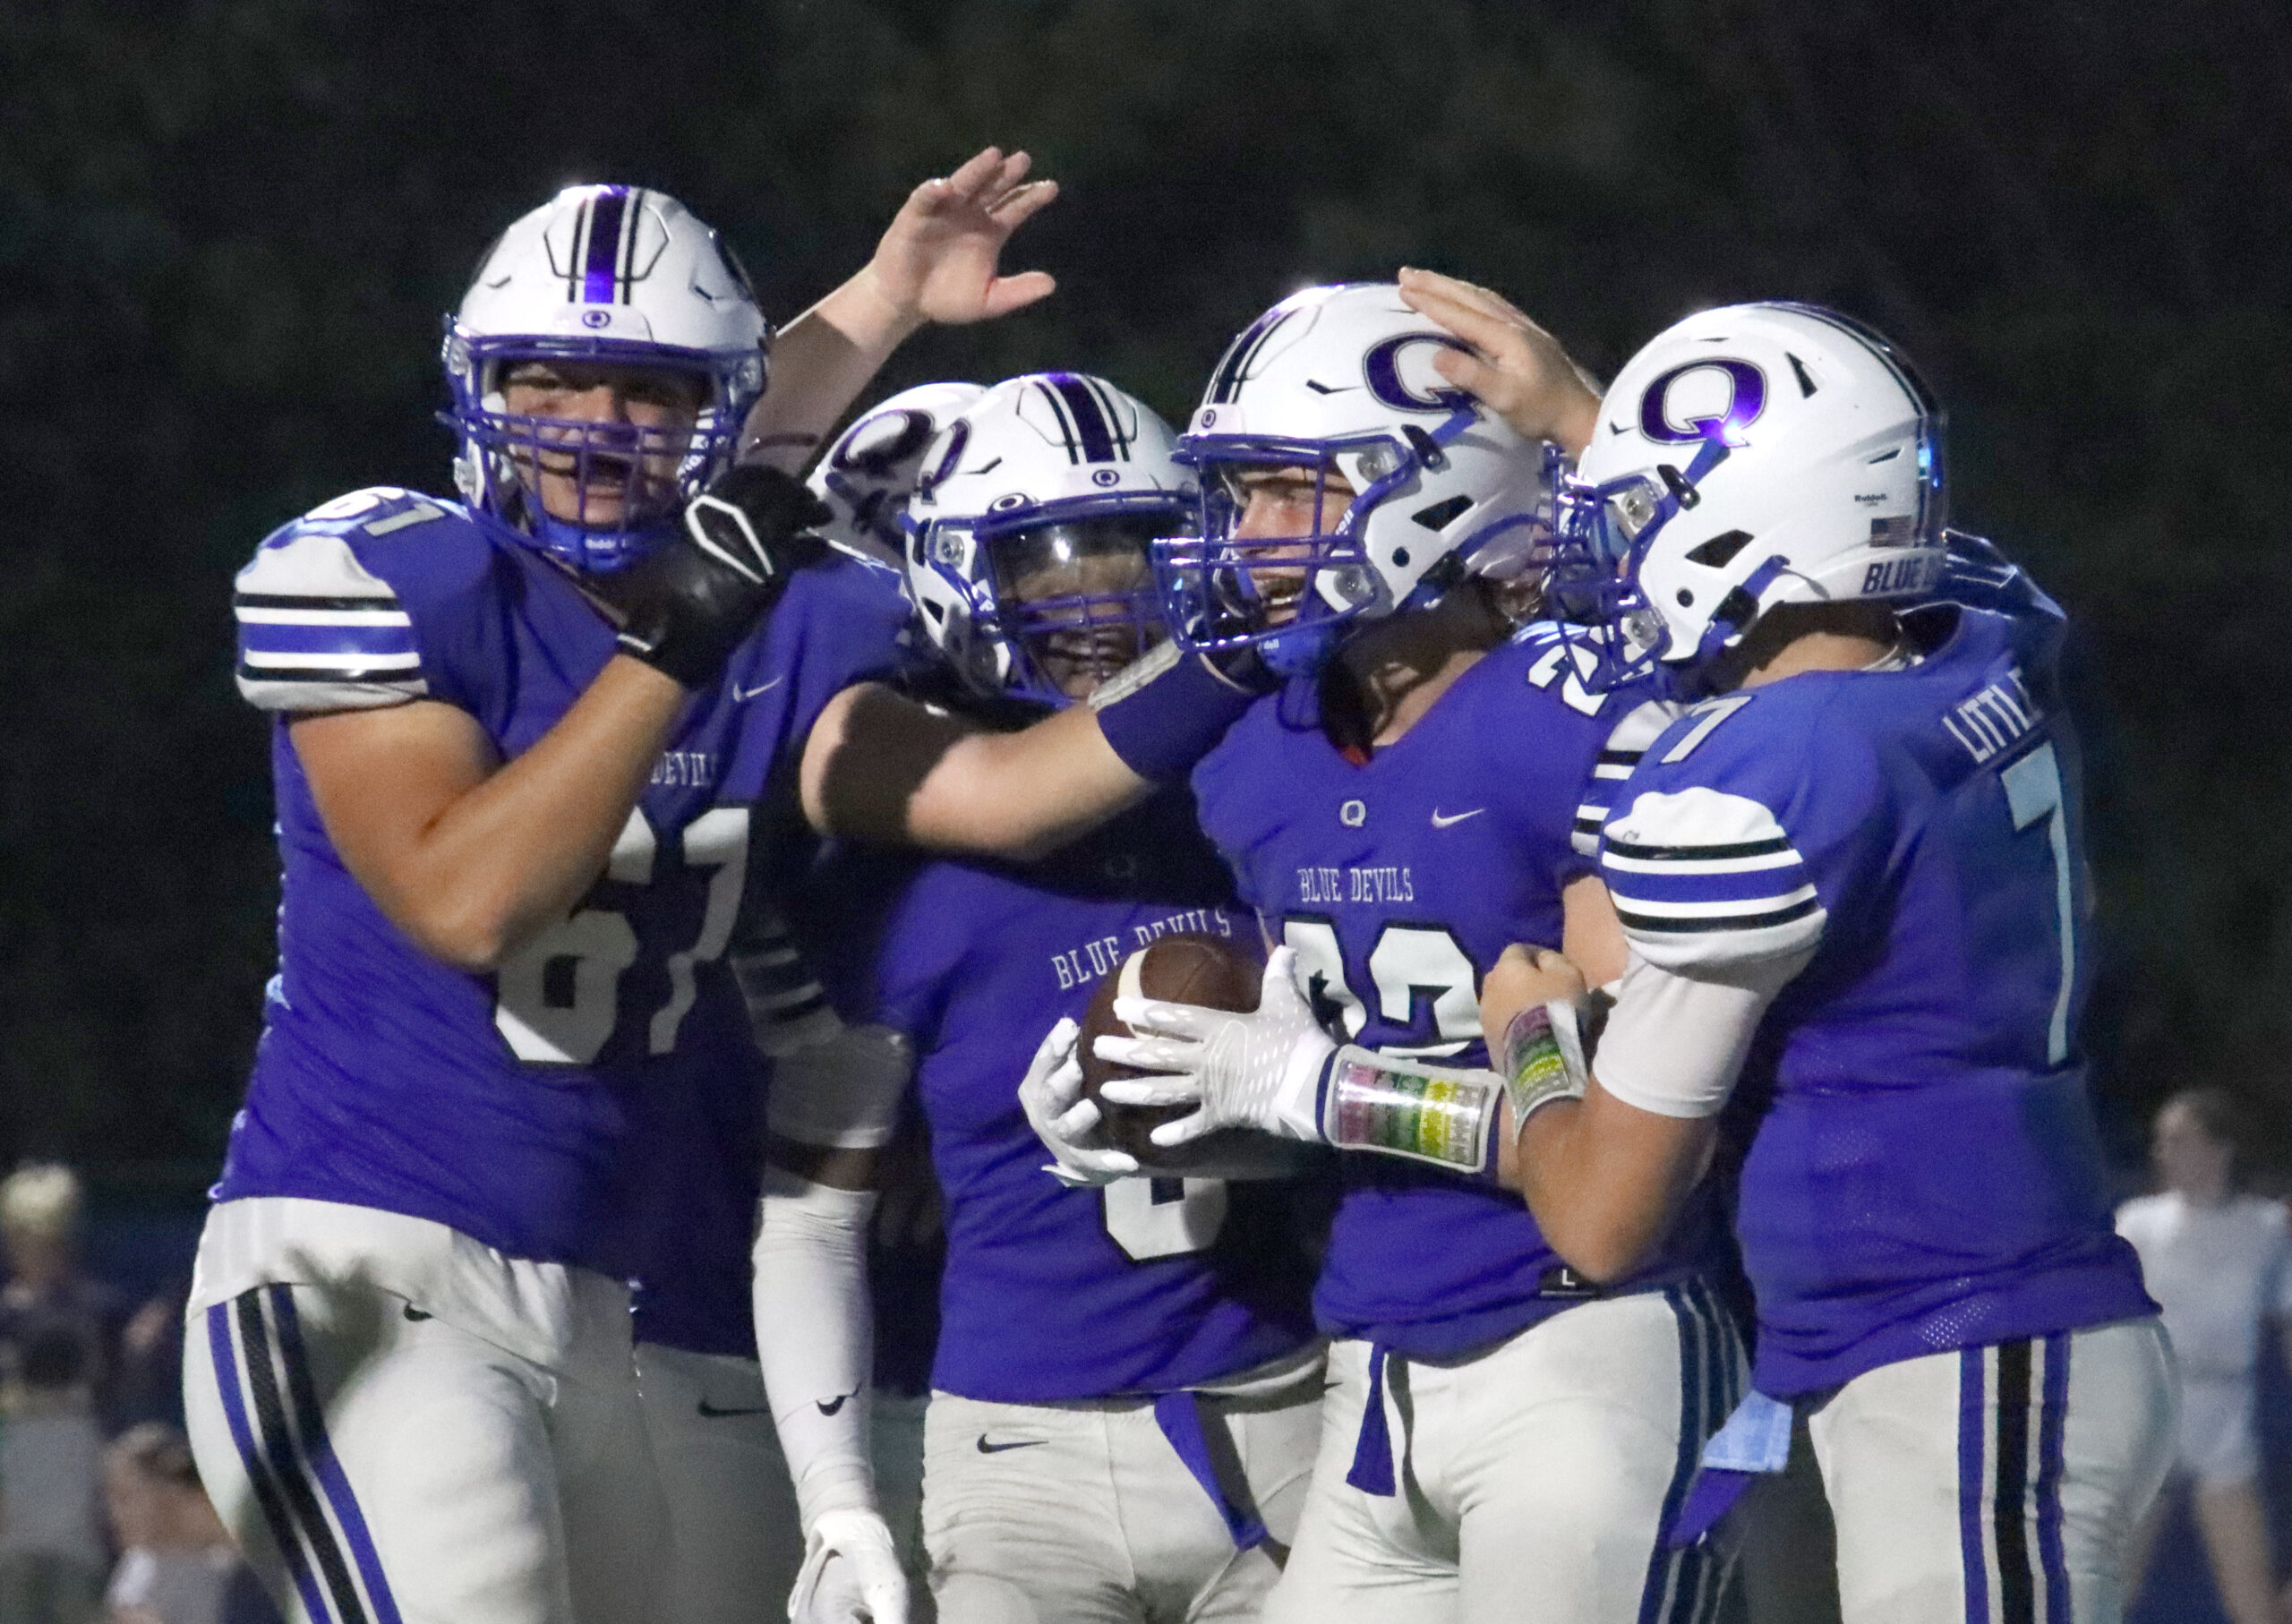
[
  {"x": 1853, "y": 881},
  {"x": 520, "y": 743},
  {"x": 1499, "y": 1425},
  {"x": 1126, "y": 1384},
  {"x": 738, "y": 1541}
]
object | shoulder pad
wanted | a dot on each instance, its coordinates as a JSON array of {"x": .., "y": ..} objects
[
  {"x": 1704, "y": 879},
  {"x": 318, "y": 630},
  {"x": 1619, "y": 756}
]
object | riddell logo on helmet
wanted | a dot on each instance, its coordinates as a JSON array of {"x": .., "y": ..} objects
[{"x": 1746, "y": 399}]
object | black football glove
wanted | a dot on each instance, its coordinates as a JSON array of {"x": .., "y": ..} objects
[{"x": 687, "y": 604}]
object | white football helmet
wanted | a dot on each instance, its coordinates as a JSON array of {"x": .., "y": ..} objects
[
  {"x": 870, "y": 471},
  {"x": 600, "y": 274},
  {"x": 1029, "y": 535},
  {"x": 1749, "y": 457},
  {"x": 1340, "y": 380}
]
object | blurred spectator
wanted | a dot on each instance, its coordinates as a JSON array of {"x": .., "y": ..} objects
[
  {"x": 176, "y": 1563},
  {"x": 2221, "y": 1264},
  {"x": 51, "y": 1467},
  {"x": 47, "y": 1294}
]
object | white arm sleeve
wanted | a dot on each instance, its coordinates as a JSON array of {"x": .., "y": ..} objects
[
  {"x": 1675, "y": 1043},
  {"x": 814, "y": 1336},
  {"x": 842, "y": 1091}
]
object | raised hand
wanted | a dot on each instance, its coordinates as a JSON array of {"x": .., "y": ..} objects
[
  {"x": 939, "y": 261},
  {"x": 1518, "y": 371}
]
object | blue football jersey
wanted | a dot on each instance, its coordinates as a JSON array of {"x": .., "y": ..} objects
[
  {"x": 1399, "y": 879},
  {"x": 1050, "y": 1293},
  {"x": 499, "y": 1104},
  {"x": 1924, "y": 1172}
]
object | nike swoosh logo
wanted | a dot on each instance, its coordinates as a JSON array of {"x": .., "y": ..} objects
[
  {"x": 1440, "y": 822},
  {"x": 1617, "y": 428},
  {"x": 986, "y": 1447},
  {"x": 712, "y": 1412},
  {"x": 828, "y": 1406},
  {"x": 416, "y": 1315},
  {"x": 741, "y": 696},
  {"x": 1323, "y": 389}
]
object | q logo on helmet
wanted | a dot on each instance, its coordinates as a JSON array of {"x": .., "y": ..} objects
[
  {"x": 1746, "y": 399},
  {"x": 1381, "y": 370}
]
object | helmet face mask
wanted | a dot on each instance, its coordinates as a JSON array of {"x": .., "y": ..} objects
[
  {"x": 1073, "y": 598},
  {"x": 1029, "y": 536},
  {"x": 1412, "y": 486},
  {"x": 1748, "y": 457},
  {"x": 602, "y": 282}
]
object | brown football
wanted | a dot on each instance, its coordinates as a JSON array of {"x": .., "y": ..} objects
[{"x": 1207, "y": 971}]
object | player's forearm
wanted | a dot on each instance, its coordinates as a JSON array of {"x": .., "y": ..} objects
[
  {"x": 1606, "y": 1181},
  {"x": 1024, "y": 794},
  {"x": 513, "y": 853},
  {"x": 820, "y": 361},
  {"x": 815, "y": 1335},
  {"x": 883, "y": 768}
]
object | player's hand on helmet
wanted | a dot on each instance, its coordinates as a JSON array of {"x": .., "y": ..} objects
[
  {"x": 1262, "y": 1069},
  {"x": 939, "y": 261},
  {"x": 686, "y": 605},
  {"x": 1070, "y": 1127},
  {"x": 850, "y": 1573},
  {"x": 1518, "y": 371}
]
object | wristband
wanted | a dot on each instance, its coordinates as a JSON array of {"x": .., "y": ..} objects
[
  {"x": 1543, "y": 1059},
  {"x": 1440, "y": 1115},
  {"x": 1166, "y": 711}
]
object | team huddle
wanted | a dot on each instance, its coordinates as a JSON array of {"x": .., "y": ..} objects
[{"x": 1645, "y": 839}]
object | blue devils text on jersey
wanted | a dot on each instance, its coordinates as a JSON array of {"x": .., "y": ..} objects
[
  {"x": 1398, "y": 880},
  {"x": 1146, "y": 1286},
  {"x": 498, "y": 1105},
  {"x": 1924, "y": 1173}
]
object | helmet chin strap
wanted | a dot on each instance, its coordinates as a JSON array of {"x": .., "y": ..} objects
[{"x": 593, "y": 550}]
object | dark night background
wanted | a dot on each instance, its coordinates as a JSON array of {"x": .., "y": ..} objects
[{"x": 227, "y": 230}]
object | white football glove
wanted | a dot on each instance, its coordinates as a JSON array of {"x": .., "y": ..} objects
[
  {"x": 850, "y": 1573},
  {"x": 1261, "y": 1069},
  {"x": 1051, "y": 1094}
]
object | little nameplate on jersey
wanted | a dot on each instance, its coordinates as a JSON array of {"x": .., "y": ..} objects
[{"x": 1213, "y": 973}]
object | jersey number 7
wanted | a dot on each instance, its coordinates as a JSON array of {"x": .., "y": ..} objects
[{"x": 2033, "y": 795}]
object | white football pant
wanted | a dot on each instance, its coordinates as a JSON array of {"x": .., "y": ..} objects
[
  {"x": 1531, "y": 1481},
  {"x": 1998, "y": 1484},
  {"x": 735, "y": 1541},
  {"x": 1086, "y": 1513},
  {"x": 378, "y": 1465}
]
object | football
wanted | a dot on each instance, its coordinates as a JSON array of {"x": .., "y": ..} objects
[{"x": 1207, "y": 971}]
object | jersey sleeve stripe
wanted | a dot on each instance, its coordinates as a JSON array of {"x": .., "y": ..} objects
[
  {"x": 276, "y": 640},
  {"x": 1703, "y": 879},
  {"x": 301, "y": 603},
  {"x": 1635, "y": 921},
  {"x": 1716, "y": 907},
  {"x": 1699, "y": 852},
  {"x": 1745, "y": 863}
]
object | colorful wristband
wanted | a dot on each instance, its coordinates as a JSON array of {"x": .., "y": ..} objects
[
  {"x": 1543, "y": 1059},
  {"x": 1439, "y": 1115},
  {"x": 1167, "y": 712}
]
